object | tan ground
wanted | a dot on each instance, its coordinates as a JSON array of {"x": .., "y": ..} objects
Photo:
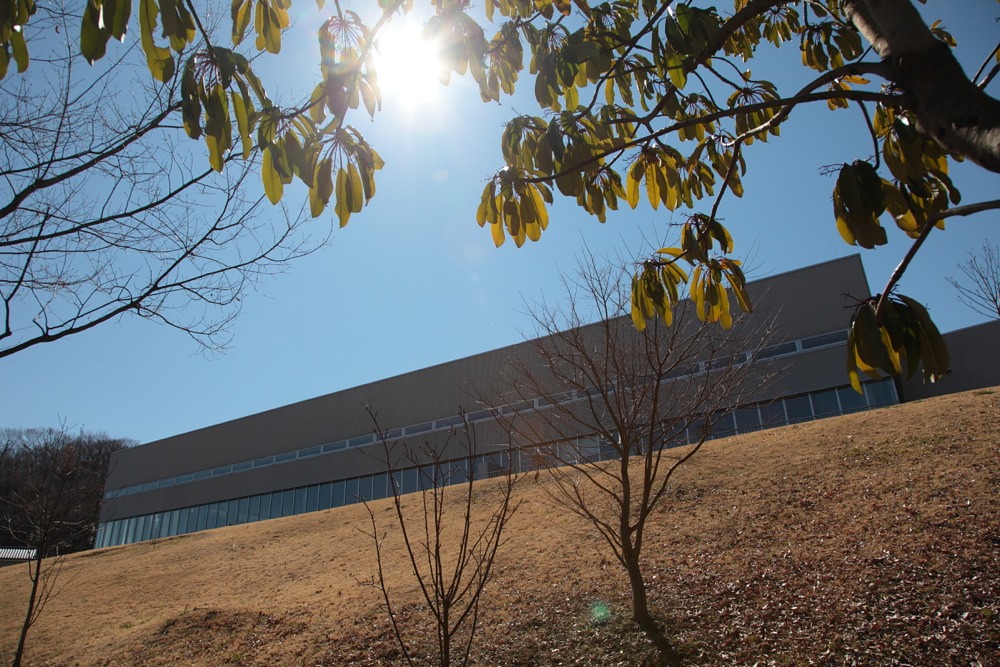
[{"x": 869, "y": 539}]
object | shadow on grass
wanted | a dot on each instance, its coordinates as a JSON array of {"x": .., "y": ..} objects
[{"x": 668, "y": 655}]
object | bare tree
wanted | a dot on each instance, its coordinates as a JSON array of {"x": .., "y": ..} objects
[
  {"x": 52, "y": 484},
  {"x": 606, "y": 407},
  {"x": 102, "y": 214},
  {"x": 980, "y": 289},
  {"x": 451, "y": 532}
]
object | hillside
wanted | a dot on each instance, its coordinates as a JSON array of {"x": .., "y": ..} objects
[{"x": 868, "y": 539}]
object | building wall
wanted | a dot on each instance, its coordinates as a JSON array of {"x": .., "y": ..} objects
[
  {"x": 329, "y": 438},
  {"x": 975, "y": 363}
]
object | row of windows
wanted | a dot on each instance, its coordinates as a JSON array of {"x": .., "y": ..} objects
[
  {"x": 299, "y": 500},
  {"x": 303, "y": 499},
  {"x": 774, "y": 351}
]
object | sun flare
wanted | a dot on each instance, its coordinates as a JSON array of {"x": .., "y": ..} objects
[{"x": 407, "y": 66}]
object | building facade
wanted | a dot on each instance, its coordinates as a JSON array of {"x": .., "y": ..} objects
[{"x": 324, "y": 453}]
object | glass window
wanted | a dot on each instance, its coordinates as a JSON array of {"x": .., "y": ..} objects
[
  {"x": 798, "y": 408},
  {"x": 747, "y": 419},
  {"x": 449, "y": 421},
  {"x": 300, "y": 500},
  {"x": 287, "y": 456},
  {"x": 393, "y": 433},
  {"x": 243, "y": 465},
  {"x": 311, "y": 451},
  {"x": 154, "y": 529},
  {"x": 175, "y": 516},
  {"x": 727, "y": 361},
  {"x": 825, "y": 403},
  {"x": 361, "y": 440},
  {"x": 773, "y": 414},
  {"x": 243, "y": 510},
  {"x": 683, "y": 370},
  {"x": 253, "y": 509},
  {"x": 223, "y": 517},
  {"x": 457, "y": 472},
  {"x": 263, "y": 461},
  {"x": 334, "y": 446},
  {"x": 265, "y": 507},
  {"x": 425, "y": 477},
  {"x": 723, "y": 426},
  {"x": 212, "y": 519},
  {"x": 396, "y": 481},
  {"x": 824, "y": 339},
  {"x": 337, "y": 499},
  {"x": 350, "y": 491},
  {"x": 696, "y": 430},
  {"x": 419, "y": 428},
  {"x": 107, "y": 531},
  {"x": 145, "y": 526},
  {"x": 777, "y": 350},
  {"x": 409, "y": 480},
  {"x": 365, "y": 487},
  {"x": 288, "y": 502},
  {"x": 149, "y": 486},
  {"x": 185, "y": 478},
  {"x": 140, "y": 525},
  {"x": 325, "y": 496},
  {"x": 479, "y": 415},
  {"x": 276, "y": 499},
  {"x": 182, "y": 522},
  {"x": 882, "y": 392},
  {"x": 851, "y": 400},
  {"x": 129, "y": 530},
  {"x": 203, "y": 474},
  {"x": 221, "y": 470},
  {"x": 312, "y": 498}
]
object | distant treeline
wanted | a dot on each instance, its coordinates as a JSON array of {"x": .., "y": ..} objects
[{"x": 51, "y": 484}]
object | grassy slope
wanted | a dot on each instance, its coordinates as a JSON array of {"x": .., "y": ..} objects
[{"x": 866, "y": 539}]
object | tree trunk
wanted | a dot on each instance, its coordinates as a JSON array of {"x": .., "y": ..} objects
[
  {"x": 949, "y": 107},
  {"x": 640, "y": 604}
]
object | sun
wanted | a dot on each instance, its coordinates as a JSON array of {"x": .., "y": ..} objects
[{"x": 407, "y": 66}]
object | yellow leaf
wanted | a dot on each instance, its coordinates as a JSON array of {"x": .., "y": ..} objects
[
  {"x": 272, "y": 182},
  {"x": 342, "y": 207}
]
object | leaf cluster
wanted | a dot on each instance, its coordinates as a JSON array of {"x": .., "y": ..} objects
[{"x": 901, "y": 340}]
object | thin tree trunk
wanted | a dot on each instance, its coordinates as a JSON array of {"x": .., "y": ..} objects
[{"x": 640, "y": 603}]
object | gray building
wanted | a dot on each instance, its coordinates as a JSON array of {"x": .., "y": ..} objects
[{"x": 323, "y": 453}]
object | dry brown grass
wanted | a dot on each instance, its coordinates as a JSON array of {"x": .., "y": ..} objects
[{"x": 869, "y": 539}]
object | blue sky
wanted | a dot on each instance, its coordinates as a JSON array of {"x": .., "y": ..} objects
[{"x": 413, "y": 281}]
